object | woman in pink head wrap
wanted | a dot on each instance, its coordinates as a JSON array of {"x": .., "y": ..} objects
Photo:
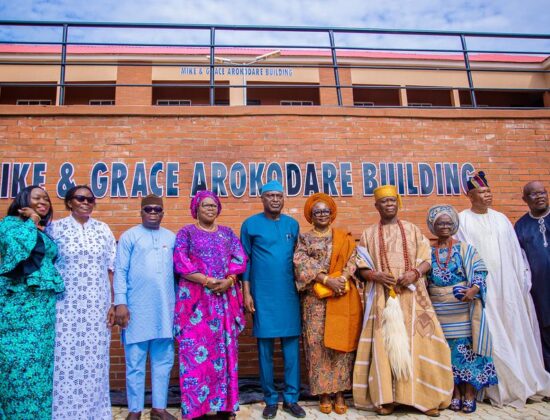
[{"x": 209, "y": 310}]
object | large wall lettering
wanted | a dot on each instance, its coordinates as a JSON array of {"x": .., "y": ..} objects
[{"x": 118, "y": 179}]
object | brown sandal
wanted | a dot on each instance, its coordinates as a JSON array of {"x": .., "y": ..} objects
[
  {"x": 434, "y": 412},
  {"x": 325, "y": 407},
  {"x": 340, "y": 408},
  {"x": 385, "y": 410}
]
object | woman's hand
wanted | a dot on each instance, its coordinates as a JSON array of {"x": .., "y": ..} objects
[
  {"x": 385, "y": 279},
  {"x": 111, "y": 317},
  {"x": 470, "y": 294},
  {"x": 30, "y": 214},
  {"x": 222, "y": 285},
  {"x": 337, "y": 285}
]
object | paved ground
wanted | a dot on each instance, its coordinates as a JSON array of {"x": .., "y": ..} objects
[{"x": 538, "y": 410}]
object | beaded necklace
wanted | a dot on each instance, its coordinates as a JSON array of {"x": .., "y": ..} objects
[
  {"x": 384, "y": 253},
  {"x": 443, "y": 266}
]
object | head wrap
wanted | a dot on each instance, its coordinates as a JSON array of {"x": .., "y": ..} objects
[
  {"x": 199, "y": 197},
  {"x": 151, "y": 199},
  {"x": 272, "y": 185},
  {"x": 317, "y": 198},
  {"x": 477, "y": 180},
  {"x": 436, "y": 211},
  {"x": 384, "y": 191}
]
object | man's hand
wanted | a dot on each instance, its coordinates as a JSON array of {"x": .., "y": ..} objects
[
  {"x": 111, "y": 317},
  {"x": 122, "y": 316},
  {"x": 248, "y": 302},
  {"x": 408, "y": 277},
  {"x": 384, "y": 279}
]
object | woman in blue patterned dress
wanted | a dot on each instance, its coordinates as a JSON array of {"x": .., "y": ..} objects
[
  {"x": 29, "y": 284},
  {"x": 458, "y": 291}
]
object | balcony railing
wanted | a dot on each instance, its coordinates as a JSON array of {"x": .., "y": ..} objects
[{"x": 214, "y": 47}]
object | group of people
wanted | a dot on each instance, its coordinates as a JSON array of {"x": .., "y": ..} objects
[{"x": 394, "y": 318}]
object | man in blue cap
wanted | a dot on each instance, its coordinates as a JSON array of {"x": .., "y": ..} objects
[{"x": 271, "y": 296}]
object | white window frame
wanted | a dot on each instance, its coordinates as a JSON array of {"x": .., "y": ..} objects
[
  {"x": 296, "y": 103},
  {"x": 33, "y": 102},
  {"x": 363, "y": 104},
  {"x": 101, "y": 102},
  {"x": 420, "y": 104},
  {"x": 174, "y": 102}
]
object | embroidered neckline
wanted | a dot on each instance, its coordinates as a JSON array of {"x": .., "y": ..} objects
[{"x": 542, "y": 225}]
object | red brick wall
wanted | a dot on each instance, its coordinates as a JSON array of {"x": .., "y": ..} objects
[{"x": 513, "y": 147}]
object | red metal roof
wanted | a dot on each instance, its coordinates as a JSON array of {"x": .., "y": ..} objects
[{"x": 167, "y": 50}]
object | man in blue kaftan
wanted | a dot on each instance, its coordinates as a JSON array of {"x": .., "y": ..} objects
[
  {"x": 270, "y": 295},
  {"x": 145, "y": 299},
  {"x": 533, "y": 231}
]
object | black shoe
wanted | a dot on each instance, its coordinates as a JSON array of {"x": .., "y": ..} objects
[
  {"x": 270, "y": 411},
  {"x": 294, "y": 410}
]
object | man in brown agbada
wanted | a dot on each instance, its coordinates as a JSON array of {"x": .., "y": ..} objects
[{"x": 399, "y": 256}]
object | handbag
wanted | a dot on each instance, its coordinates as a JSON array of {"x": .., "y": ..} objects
[{"x": 323, "y": 292}]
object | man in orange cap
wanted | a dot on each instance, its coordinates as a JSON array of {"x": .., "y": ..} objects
[{"x": 392, "y": 257}]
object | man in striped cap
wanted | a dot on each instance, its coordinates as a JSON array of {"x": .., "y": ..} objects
[{"x": 510, "y": 311}]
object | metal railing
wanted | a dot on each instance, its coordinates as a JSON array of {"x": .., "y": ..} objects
[{"x": 331, "y": 54}]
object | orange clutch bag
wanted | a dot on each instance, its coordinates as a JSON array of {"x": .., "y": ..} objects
[{"x": 323, "y": 292}]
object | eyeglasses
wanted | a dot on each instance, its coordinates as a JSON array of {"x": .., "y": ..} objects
[
  {"x": 151, "y": 209},
  {"x": 536, "y": 194},
  {"x": 321, "y": 212},
  {"x": 209, "y": 206},
  {"x": 82, "y": 198}
]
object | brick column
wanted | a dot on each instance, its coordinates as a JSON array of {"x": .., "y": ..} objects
[
  {"x": 128, "y": 95},
  {"x": 328, "y": 96}
]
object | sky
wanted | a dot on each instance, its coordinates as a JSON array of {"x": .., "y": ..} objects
[{"x": 509, "y": 16}]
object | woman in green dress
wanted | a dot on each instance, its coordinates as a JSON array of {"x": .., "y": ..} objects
[{"x": 29, "y": 284}]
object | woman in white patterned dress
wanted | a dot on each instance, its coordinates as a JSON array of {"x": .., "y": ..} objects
[{"x": 84, "y": 311}]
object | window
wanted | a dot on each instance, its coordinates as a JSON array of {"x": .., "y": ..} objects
[
  {"x": 174, "y": 102},
  {"x": 34, "y": 102},
  {"x": 421, "y": 104},
  {"x": 101, "y": 102},
  {"x": 363, "y": 104},
  {"x": 296, "y": 103}
]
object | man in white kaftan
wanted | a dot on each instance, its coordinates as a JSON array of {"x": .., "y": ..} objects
[{"x": 510, "y": 312}]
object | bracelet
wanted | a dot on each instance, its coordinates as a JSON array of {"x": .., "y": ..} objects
[
  {"x": 418, "y": 273},
  {"x": 205, "y": 284},
  {"x": 325, "y": 280}
]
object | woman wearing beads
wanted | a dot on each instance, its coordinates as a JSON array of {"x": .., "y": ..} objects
[
  {"x": 458, "y": 291},
  {"x": 325, "y": 256},
  {"x": 209, "y": 310}
]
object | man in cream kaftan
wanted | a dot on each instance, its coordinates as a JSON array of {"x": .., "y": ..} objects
[{"x": 430, "y": 386}]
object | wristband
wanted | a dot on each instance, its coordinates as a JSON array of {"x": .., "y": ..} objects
[
  {"x": 325, "y": 280},
  {"x": 418, "y": 273}
]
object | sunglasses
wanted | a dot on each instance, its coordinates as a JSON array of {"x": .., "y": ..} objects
[
  {"x": 151, "y": 209},
  {"x": 82, "y": 198}
]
